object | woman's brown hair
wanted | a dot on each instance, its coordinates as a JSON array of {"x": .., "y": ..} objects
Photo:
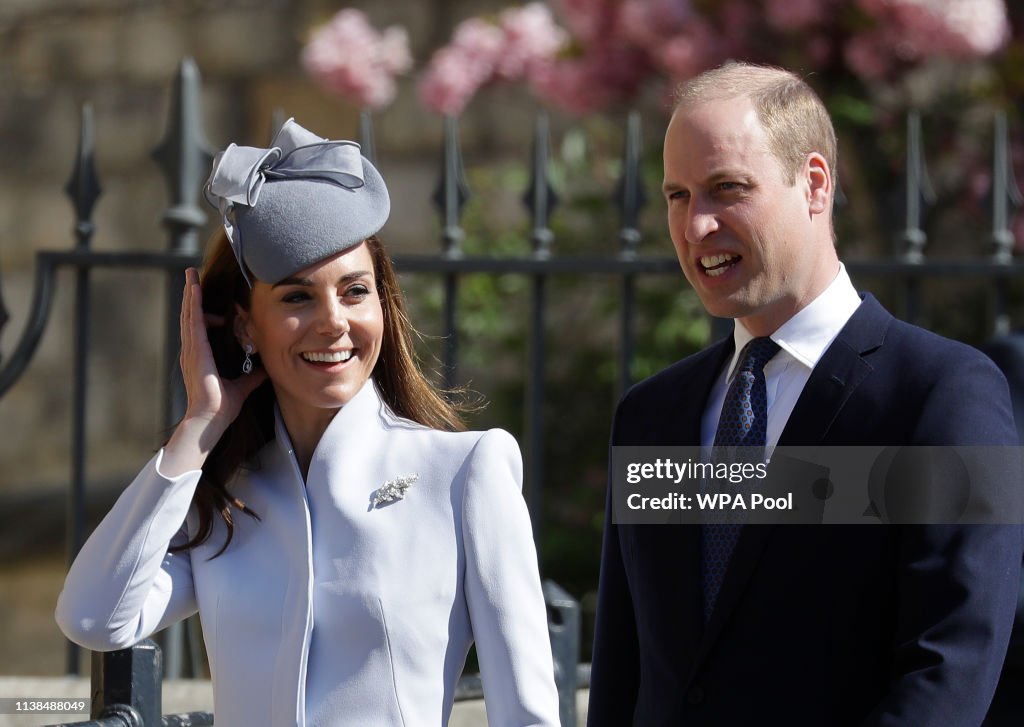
[{"x": 401, "y": 383}]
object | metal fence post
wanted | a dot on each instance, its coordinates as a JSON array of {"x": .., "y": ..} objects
[
  {"x": 630, "y": 199},
  {"x": 185, "y": 157},
  {"x": 84, "y": 190},
  {"x": 128, "y": 681},
  {"x": 564, "y": 630},
  {"x": 540, "y": 199},
  {"x": 450, "y": 197}
]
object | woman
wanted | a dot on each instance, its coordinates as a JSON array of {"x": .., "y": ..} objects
[{"x": 343, "y": 547}]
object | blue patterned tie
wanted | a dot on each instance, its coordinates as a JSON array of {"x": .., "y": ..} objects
[{"x": 743, "y": 423}]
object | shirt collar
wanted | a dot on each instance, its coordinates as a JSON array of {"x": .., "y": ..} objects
[{"x": 808, "y": 334}]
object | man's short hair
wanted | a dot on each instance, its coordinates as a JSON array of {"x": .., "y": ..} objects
[{"x": 792, "y": 114}]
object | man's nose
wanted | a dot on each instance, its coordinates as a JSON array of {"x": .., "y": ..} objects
[{"x": 701, "y": 221}]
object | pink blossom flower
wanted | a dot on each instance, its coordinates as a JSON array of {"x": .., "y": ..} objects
[
  {"x": 688, "y": 53},
  {"x": 531, "y": 35},
  {"x": 649, "y": 22},
  {"x": 459, "y": 69},
  {"x": 348, "y": 57},
  {"x": 588, "y": 20},
  {"x": 480, "y": 42},
  {"x": 449, "y": 82},
  {"x": 481, "y": 52},
  {"x": 957, "y": 28}
]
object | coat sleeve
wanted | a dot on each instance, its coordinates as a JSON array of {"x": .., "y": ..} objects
[
  {"x": 959, "y": 583},
  {"x": 125, "y": 585},
  {"x": 503, "y": 592}
]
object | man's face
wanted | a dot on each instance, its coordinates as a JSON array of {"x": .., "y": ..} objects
[{"x": 752, "y": 245}]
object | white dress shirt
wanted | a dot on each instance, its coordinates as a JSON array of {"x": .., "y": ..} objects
[
  {"x": 803, "y": 340},
  {"x": 331, "y": 610}
]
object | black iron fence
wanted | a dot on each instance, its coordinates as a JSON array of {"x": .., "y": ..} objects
[
  {"x": 184, "y": 157},
  {"x": 127, "y": 689}
]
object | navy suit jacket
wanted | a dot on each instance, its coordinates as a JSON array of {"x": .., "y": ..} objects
[{"x": 815, "y": 624}]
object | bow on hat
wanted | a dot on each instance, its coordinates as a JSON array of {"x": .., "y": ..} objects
[{"x": 239, "y": 172}]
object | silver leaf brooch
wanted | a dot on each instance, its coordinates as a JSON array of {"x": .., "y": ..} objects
[{"x": 393, "y": 490}]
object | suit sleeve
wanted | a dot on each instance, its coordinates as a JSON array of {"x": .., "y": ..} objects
[
  {"x": 124, "y": 584},
  {"x": 958, "y": 584},
  {"x": 615, "y": 671},
  {"x": 503, "y": 592}
]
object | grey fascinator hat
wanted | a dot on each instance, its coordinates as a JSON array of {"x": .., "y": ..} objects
[{"x": 300, "y": 201}]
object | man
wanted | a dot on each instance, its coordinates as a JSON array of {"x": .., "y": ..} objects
[{"x": 796, "y": 624}]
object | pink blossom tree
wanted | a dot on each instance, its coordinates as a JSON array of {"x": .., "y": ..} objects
[
  {"x": 348, "y": 57},
  {"x": 599, "y": 53}
]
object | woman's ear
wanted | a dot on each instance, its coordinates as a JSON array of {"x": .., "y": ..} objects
[{"x": 242, "y": 322}]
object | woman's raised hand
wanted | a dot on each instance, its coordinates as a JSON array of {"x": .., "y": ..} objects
[{"x": 213, "y": 402}]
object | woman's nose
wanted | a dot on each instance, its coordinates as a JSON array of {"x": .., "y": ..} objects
[{"x": 333, "y": 318}]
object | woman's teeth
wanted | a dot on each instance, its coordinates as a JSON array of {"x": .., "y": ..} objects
[{"x": 332, "y": 357}]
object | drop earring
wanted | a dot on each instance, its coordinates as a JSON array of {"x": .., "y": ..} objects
[{"x": 247, "y": 364}]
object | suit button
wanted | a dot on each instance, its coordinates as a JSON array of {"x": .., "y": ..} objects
[{"x": 695, "y": 695}]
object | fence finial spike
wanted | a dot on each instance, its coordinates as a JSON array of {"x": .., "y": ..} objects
[
  {"x": 452, "y": 191},
  {"x": 540, "y": 197},
  {"x": 919, "y": 192},
  {"x": 366, "y": 142},
  {"x": 1005, "y": 193},
  {"x": 84, "y": 187},
  {"x": 629, "y": 195},
  {"x": 185, "y": 156}
]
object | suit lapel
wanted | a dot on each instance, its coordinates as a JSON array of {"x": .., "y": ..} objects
[
  {"x": 837, "y": 376},
  {"x": 832, "y": 382}
]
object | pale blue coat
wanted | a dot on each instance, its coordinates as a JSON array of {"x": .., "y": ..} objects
[{"x": 329, "y": 610}]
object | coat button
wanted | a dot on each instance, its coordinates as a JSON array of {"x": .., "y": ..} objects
[{"x": 695, "y": 695}]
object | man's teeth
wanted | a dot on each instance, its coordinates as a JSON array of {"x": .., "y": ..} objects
[
  {"x": 333, "y": 357},
  {"x": 715, "y": 265}
]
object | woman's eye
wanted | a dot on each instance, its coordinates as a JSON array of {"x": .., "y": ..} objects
[
  {"x": 358, "y": 291},
  {"x": 296, "y": 297}
]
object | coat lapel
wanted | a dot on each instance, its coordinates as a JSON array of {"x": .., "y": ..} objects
[
  {"x": 833, "y": 381},
  {"x": 837, "y": 376}
]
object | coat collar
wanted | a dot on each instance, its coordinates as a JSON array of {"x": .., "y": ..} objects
[{"x": 363, "y": 414}]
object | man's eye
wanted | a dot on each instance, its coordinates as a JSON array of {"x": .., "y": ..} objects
[
  {"x": 729, "y": 186},
  {"x": 679, "y": 195}
]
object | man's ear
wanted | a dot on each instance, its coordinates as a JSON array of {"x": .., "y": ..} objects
[{"x": 819, "y": 184}]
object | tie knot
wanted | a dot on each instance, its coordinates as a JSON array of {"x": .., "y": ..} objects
[{"x": 757, "y": 353}]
